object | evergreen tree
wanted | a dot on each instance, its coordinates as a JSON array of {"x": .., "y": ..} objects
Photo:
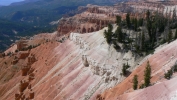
[
  {"x": 119, "y": 34},
  {"x": 168, "y": 74},
  {"x": 108, "y": 34},
  {"x": 124, "y": 69},
  {"x": 135, "y": 82},
  {"x": 147, "y": 75},
  {"x": 148, "y": 15},
  {"x": 142, "y": 41},
  {"x": 128, "y": 20},
  {"x": 140, "y": 22},
  {"x": 175, "y": 34},
  {"x": 135, "y": 24},
  {"x": 118, "y": 20},
  {"x": 110, "y": 27},
  {"x": 170, "y": 36},
  {"x": 149, "y": 26}
]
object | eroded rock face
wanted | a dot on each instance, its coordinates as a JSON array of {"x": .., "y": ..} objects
[
  {"x": 62, "y": 70},
  {"x": 93, "y": 19},
  {"x": 59, "y": 71},
  {"x": 21, "y": 44},
  {"x": 97, "y": 17},
  {"x": 23, "y": 54}
]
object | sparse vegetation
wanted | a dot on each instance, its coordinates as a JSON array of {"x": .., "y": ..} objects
[
  {"x": 9, "y": 53},
  {"x": 141, "y": 86},
  {"x": 124, "y": 69},
  {"x": 147, "y": 75},
  {"x": 170, "y": 72},
  {"x": 108, "y": 34},
  {"x": 135, "y": 82},
  {"x": 16, "y": 50}
]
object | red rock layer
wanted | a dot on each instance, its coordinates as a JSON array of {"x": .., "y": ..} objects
[{"x": 58, "y": 74}]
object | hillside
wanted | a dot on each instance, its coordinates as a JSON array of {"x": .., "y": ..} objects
[
  {"x": 122, "y": 52},
  {"x": 64, "y": 68},
  {"x": 161, "y": 61}
]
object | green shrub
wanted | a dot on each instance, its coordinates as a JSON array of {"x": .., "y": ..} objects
[{"x": 135, "y": 82}]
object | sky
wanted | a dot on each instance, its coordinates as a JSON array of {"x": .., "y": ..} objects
[{"x": 7, "y": 2}]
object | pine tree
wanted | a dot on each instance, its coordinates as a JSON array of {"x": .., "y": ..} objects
[
  {"x": 135, "y": 82},
  {"x": 148, "y": 15},
  {"x": 149, "y": 25},
  {"x": 124, "y": 70},
  {"x": 140, "y": 22},
  {"x": 128, "y": 20},
  {"x": 119, "y": 34},
  {"x": 175, "y": 34},
  {"x": 118, "y": 20},
  {"x": 135, "y": 24},
  {"x": 142, "y": 41},
  {"x": 108, "y": 34},
  {"x": 147, "y": 75},
  {"x": 170, "y": 36}
]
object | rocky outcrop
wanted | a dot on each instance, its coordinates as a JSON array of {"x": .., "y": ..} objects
[
  {"x": 94, "y": 19},
  {"x": 85, "y": 62},
  {"x": 23, "y": 54},
  {"x": 31, "y": 59},
  {"x": 23, "y": 85},
  {"x": 96, "y": 10},
  {"x": 21, "y": 44},
  {"x": 1, "y": 55},
  {"x": 15, "y": 61},
  {"x": 103, "y": 67}
]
